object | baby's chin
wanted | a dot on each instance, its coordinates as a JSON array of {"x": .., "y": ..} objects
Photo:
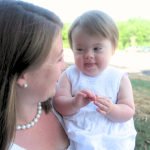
[{"x": 92, "y": 74}]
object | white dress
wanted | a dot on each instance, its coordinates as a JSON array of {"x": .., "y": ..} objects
[{"x": 87, "y": 128}]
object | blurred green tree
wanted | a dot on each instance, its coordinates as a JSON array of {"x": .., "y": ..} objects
[
  {"x": 134, "y": 32},
  {"x": 65, "y": 35}
]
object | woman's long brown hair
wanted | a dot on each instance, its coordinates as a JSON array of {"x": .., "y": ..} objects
[{"x": 26, "y": 35}]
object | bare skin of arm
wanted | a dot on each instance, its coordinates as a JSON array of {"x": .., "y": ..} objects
[
  {"x": 124, "y": 109},
  {"x": 64, "y": 103}
]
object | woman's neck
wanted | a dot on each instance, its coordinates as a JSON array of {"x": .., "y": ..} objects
[{"x": 25, "y": 112}]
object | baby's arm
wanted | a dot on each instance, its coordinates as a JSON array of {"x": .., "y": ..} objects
[
  {"x": 124, "y": 109},
  {"x": 64, "y": 103}
]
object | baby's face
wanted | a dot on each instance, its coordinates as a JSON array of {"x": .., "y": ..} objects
[{"x": 92, "y": 53}]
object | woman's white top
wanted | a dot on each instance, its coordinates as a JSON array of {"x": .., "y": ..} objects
[
  {"x": 89, "y": 129},
  {"x": 71, "y": 147}
]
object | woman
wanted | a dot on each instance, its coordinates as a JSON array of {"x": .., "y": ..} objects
[{"x": 31, "y": 61}]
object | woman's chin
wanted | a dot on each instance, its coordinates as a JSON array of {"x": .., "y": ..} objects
[{"x": 52, "y": 93}]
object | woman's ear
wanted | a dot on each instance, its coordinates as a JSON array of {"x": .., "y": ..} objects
[{"x": 21, "y": 80}]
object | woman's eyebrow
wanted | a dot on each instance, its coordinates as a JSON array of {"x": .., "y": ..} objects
[{"x": 61, "y": 52}]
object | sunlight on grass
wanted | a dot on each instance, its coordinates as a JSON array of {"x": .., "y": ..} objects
[
  {"x": 143, "y": 135},
  {"x": 141, "y": 86},
  {"x": 141, "y": 90}
]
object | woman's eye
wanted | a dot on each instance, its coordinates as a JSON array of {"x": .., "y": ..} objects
[{"x": 61, "y": 58}]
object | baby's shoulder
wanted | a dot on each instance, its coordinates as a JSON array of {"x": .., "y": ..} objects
[
  {"x": 72, "y": 70},
  {"x": 115, "y": 72},
  {"x": 73, "y": 73}
]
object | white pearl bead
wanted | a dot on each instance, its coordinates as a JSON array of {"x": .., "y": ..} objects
[
  {"x": 23, "y": 127},
  {"x": 35, "y": 120},
  {"x": 39, "y": 111},
  {"x": 39, "y": 107},
  {"x": 32, "y": 123},
  {"x": 25, "y": 85},
  {"x": 28, "y": 126},
  {"x": 38, "y": 116},
  {"x": 18, "y": 127}
]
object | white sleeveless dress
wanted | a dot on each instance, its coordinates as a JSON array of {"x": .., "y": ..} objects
[{"x": 87, "y": 128}]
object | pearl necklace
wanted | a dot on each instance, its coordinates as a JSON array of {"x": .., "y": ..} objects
[{"x": 34, "y": 121}]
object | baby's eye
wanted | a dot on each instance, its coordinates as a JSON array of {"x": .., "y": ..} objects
[
  {"x": 80, "y": 49},
  {"x": 97, "y": 48}
]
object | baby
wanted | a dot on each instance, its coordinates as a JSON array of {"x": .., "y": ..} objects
[{"x": 102, "y": 122}]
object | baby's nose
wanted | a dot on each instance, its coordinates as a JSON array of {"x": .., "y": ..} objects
[{"x": 89, "y": 55}]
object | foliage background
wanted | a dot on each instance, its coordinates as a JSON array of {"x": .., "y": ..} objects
[{"x": 134, "y": 32}]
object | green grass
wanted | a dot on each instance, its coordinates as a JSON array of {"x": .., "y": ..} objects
[
  {"x": 142, "y": 127},
  {"x": 141, "y": 86},
  {"x": 143, "y": 135}
]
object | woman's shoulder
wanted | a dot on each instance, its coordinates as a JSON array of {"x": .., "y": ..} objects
[
  {"x": 71, "y": 146},
  {"x": 59, "y": 117},
  {"x": 54, "y": 131}
]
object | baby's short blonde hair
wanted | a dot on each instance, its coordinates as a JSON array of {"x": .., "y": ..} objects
[{"x": 97, "y": 23}]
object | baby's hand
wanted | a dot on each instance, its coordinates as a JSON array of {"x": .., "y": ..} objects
[
  {"x": 104, "y": 103},
  {"x": 83, "y": 98}
]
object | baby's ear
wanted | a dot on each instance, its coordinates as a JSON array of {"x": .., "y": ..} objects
[{"x": 21, "y": 80}]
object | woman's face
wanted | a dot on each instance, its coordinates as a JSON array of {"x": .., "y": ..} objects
[{"x": 42, "y": 82}]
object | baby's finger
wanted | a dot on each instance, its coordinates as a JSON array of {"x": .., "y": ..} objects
[
  {"x": 104, "y": 98},
  {"x": 82, "y": 94},
  {"x": 101, "y": 111},
  {"x": 90, "y": 94},
  {"x": 102, "y": 101},
  {"x": 101, "y": 106}
]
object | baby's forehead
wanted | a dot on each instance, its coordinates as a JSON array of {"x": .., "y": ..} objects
[
  {"x": 82, "y": 37},
  {"x": 91, "y": 31},
  {"x": 81, "y": 30}
]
